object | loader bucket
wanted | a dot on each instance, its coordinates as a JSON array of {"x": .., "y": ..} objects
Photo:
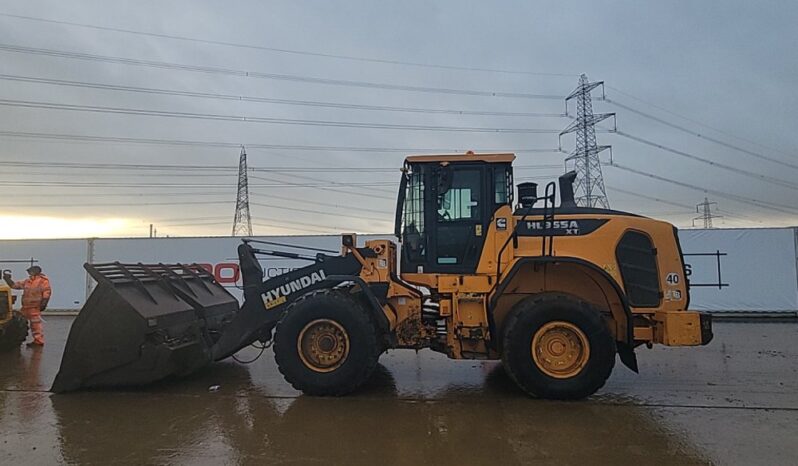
[{"x": 144, "y": 323}]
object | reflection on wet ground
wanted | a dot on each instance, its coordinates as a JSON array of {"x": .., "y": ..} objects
[{"x": 733, "y": 403}]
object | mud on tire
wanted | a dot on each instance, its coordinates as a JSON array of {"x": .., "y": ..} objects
[
  {"x": 326, "y": 344},
  {"x": 576, "y": 321},
  {"x": 13, "y": 333}
]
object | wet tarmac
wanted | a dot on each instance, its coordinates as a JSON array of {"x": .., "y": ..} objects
[{"x": 733, "y": 402}]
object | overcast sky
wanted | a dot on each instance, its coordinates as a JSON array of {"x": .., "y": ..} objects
[{"x": 723, "y": 70}]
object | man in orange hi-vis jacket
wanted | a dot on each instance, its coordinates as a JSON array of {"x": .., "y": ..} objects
[{"x": 35, "y": 296}]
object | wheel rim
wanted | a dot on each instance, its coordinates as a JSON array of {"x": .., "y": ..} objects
[
  {"x": 323, "y": 345},
  {"x": 560, "y": 349}
]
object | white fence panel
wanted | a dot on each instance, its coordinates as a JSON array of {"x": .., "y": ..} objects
[
  {"x": 751, "y": 270},
  {"x": 61, "y": 260}
]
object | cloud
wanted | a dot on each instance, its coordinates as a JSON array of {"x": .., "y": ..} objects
[{"x": 730, "y": 68}]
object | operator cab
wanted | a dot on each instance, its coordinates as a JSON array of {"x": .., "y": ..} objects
[{"x": 445, "y": 206}]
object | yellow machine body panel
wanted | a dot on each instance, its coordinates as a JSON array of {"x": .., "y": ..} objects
[{"x": 628, "y": 266}]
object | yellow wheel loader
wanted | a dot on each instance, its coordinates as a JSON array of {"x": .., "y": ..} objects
[
  {"x": 554, "y": 292},
  {"x": 13, "y": 327}
]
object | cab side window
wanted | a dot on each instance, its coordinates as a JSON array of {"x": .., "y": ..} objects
[
  {"x": 414, "y": 232},
  {"x": 461, "y": 200},
  {"x": 502, "y": 185}
]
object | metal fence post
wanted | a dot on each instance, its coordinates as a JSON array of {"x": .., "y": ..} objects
[{"x": 795, "y": 231}]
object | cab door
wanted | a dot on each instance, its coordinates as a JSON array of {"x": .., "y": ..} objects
[{"x": 458, "y": 217}]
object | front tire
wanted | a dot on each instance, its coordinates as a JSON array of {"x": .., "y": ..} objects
[
  {"x": 14, "y": 333},
  {"x": 326, "y": 344},
  {"x": 557, "y": 346}
]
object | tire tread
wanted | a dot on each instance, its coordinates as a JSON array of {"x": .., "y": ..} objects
[
  {"x": 286, "y": 363},
  {"x": 600, "y": 333}
]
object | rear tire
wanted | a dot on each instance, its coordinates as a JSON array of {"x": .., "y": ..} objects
[
  {"x": 326, "y": 344},
  {"x": 557, "y": 346},
  {"x": 14, "y": 333}
]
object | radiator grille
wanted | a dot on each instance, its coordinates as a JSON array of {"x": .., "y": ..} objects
[{"x": 637, "y": 260}]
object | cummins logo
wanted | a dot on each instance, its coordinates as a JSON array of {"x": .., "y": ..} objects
[{"x": 279, "y": 295}]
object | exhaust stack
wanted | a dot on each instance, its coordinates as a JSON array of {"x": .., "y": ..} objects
[{"x": 567, "y": 190}]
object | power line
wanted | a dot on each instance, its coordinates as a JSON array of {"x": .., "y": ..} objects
[
  {"x": 326, "y": 226},
  {"x": 83, "y": 173},
  {"x": 318, "y": 212},
  {"x": 765, "y": 178},
  {"x": 320, "y": 203},
  {"x": 754, "y": 202},
  {"x": 327, "y": 188},
  {"x": 176, "y": 142},
  {"x": 304, "y": 227},
  {"x": 134, "y": 195},
  {"x": 739, "y": 216},
  {"x": 98, "y": 184},
  {"x": 541, "y": 177},
  {"x": 285, "y": 225},
  {"x": 333, "y": 183},
  {"x": 272, "y": 76},
  {"x": 190, "y": 167},
  {"x": 239, "y": 98},
  {"x": 302, "y": 230},
  {"x": 170, "y": 220},
  {"x": 266, "y": 120},
  {"x": 204, "y": 192},
  {"x": 200, "y": 221},
  {"x": 193, "y": 224},
  {"x": 184, "y": 203},
  {"x": 204, "y": 186},
  {"x": 688, "y": 208},
  {"x": 651, "y": 198},
  {"x": 167, "y": 221},
  {"x": 726, "y": 133},
  {"x": 702, "y": 136},
  {"x": 663, "y": 212},
  {"x": 115, "y": 204},
  {"x": 283, "y": 50}
]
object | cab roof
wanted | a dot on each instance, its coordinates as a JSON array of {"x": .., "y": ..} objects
[{"x": 466, "y": 157}]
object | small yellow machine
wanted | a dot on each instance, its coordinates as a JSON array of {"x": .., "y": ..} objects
[
  {"x": 13, "y": 327},
  {"x": 553, "y": 292}
]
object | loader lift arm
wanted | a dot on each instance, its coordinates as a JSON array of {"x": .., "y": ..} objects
[{"x": 277, "y": 293}]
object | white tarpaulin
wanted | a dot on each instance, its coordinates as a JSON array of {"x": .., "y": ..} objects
[
  {"x": 62, "y": 261},
  {"x": 752, "y": 270}
]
